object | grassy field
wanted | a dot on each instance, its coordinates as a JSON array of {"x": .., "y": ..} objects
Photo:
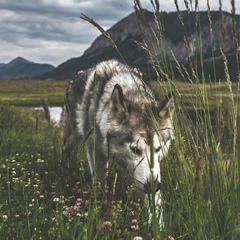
[
  {"x": 41, "y": 198},
  {"x": 29, "y": 92}
]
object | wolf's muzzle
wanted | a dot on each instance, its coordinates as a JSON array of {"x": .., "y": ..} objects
[{"x": 152, "y": 187}]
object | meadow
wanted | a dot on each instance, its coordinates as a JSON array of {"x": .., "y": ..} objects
[
  {"x": 43, "y": 198},
  {"x": 28, "y": 92}
]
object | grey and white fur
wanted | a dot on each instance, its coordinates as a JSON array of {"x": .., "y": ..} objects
[{"x": 116, "y": 115}]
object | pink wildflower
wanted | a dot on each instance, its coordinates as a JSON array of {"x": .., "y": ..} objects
[
  {"x": 106, "y": 224},
  {"x": 137, "y": 238},
  {"x": 134, "y": 221}
]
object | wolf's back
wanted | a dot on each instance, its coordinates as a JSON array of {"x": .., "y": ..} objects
[{"x": 82, "y": 101}]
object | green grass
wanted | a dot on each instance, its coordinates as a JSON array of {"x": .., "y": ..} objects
[
  {"x": 29, "y": 92},
  {"x": 42, "y": 199}
]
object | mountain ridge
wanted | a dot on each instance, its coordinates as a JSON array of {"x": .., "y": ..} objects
[
  {"x": 126, "y": 32},
  {"x": 20, "y": 67}
]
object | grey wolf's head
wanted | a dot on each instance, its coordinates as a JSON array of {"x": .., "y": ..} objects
[{"x": 139, "y": 135}]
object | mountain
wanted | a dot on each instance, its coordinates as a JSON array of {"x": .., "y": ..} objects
[
  {"x": 179, "y": 38},
  {"x": 22, "y": 68},
  {"x": 1, "y": 65}
]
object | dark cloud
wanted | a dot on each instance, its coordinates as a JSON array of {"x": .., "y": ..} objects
[{"x": 52, "y": 31}]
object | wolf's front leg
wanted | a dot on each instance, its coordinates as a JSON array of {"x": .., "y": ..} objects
[
  {"x": 155, "y": 209},
  {"x": 159, "y": 211},
  {"x": 98, "y": 167}
]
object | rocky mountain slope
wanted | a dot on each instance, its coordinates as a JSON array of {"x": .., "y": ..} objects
[
  {"x": 182, "y": 40},
  {"x": 22, "y": 68}
]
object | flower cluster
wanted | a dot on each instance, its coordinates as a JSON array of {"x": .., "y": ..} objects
[
  {"x": 69, "y": 211},
  {"x": 106, "y": 224},
  {"x": 77, "y": 205}
]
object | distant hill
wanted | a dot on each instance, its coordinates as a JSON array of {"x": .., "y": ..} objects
[
  {"x": 22, "y": 68},
  {"x": 202, "y": 45}
]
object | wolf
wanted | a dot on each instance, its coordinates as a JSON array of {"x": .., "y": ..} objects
[{"x": 116, "y": 115}]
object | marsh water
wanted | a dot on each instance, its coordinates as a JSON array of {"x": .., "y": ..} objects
[{"x": 55, "y": 113}]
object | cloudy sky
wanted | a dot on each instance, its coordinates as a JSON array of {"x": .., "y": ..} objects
[{"x": 51, "y": 31}]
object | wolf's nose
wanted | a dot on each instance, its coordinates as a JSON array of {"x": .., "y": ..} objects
[
  {"x": 158, "y": 186},
  {"x": 153, "y": 187}
]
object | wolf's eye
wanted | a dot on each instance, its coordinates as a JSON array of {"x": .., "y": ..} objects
[
  {"x": 157, "y": 149},
  {"x": 136, "y": 150}
]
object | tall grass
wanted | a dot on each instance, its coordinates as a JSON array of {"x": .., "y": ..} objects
[
  {"x": 201, "y": 175},
  {"x": 40, "y": 199}
]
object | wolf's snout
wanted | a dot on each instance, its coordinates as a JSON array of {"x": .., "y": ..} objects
[
  {"x": 150, "y": 187},
  {"x": 158, "y": 186}
]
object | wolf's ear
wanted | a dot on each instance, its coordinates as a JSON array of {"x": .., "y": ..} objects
[
  {"x": 117, "y": 99},
  {"x": 166, "y": 107}
]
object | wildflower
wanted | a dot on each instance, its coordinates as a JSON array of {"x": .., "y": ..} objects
[
  {"x": 5, "y": 218},
  {"x": 75, "y": 208},
  {"x": 137, "y": 238},
  {"x": 28, "y": 213},
  {"x": 14, "y": 179},
  {"x": 28, "y": 184},
  {"x": 131, "y": 213},
  {"x": 67, "y": 212},
  {"x": 79, "y": 191},
  {"x": 56, "y": 199},
  {"x": 106, "y": 224},
  {"x": 134, "y": 221}
]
